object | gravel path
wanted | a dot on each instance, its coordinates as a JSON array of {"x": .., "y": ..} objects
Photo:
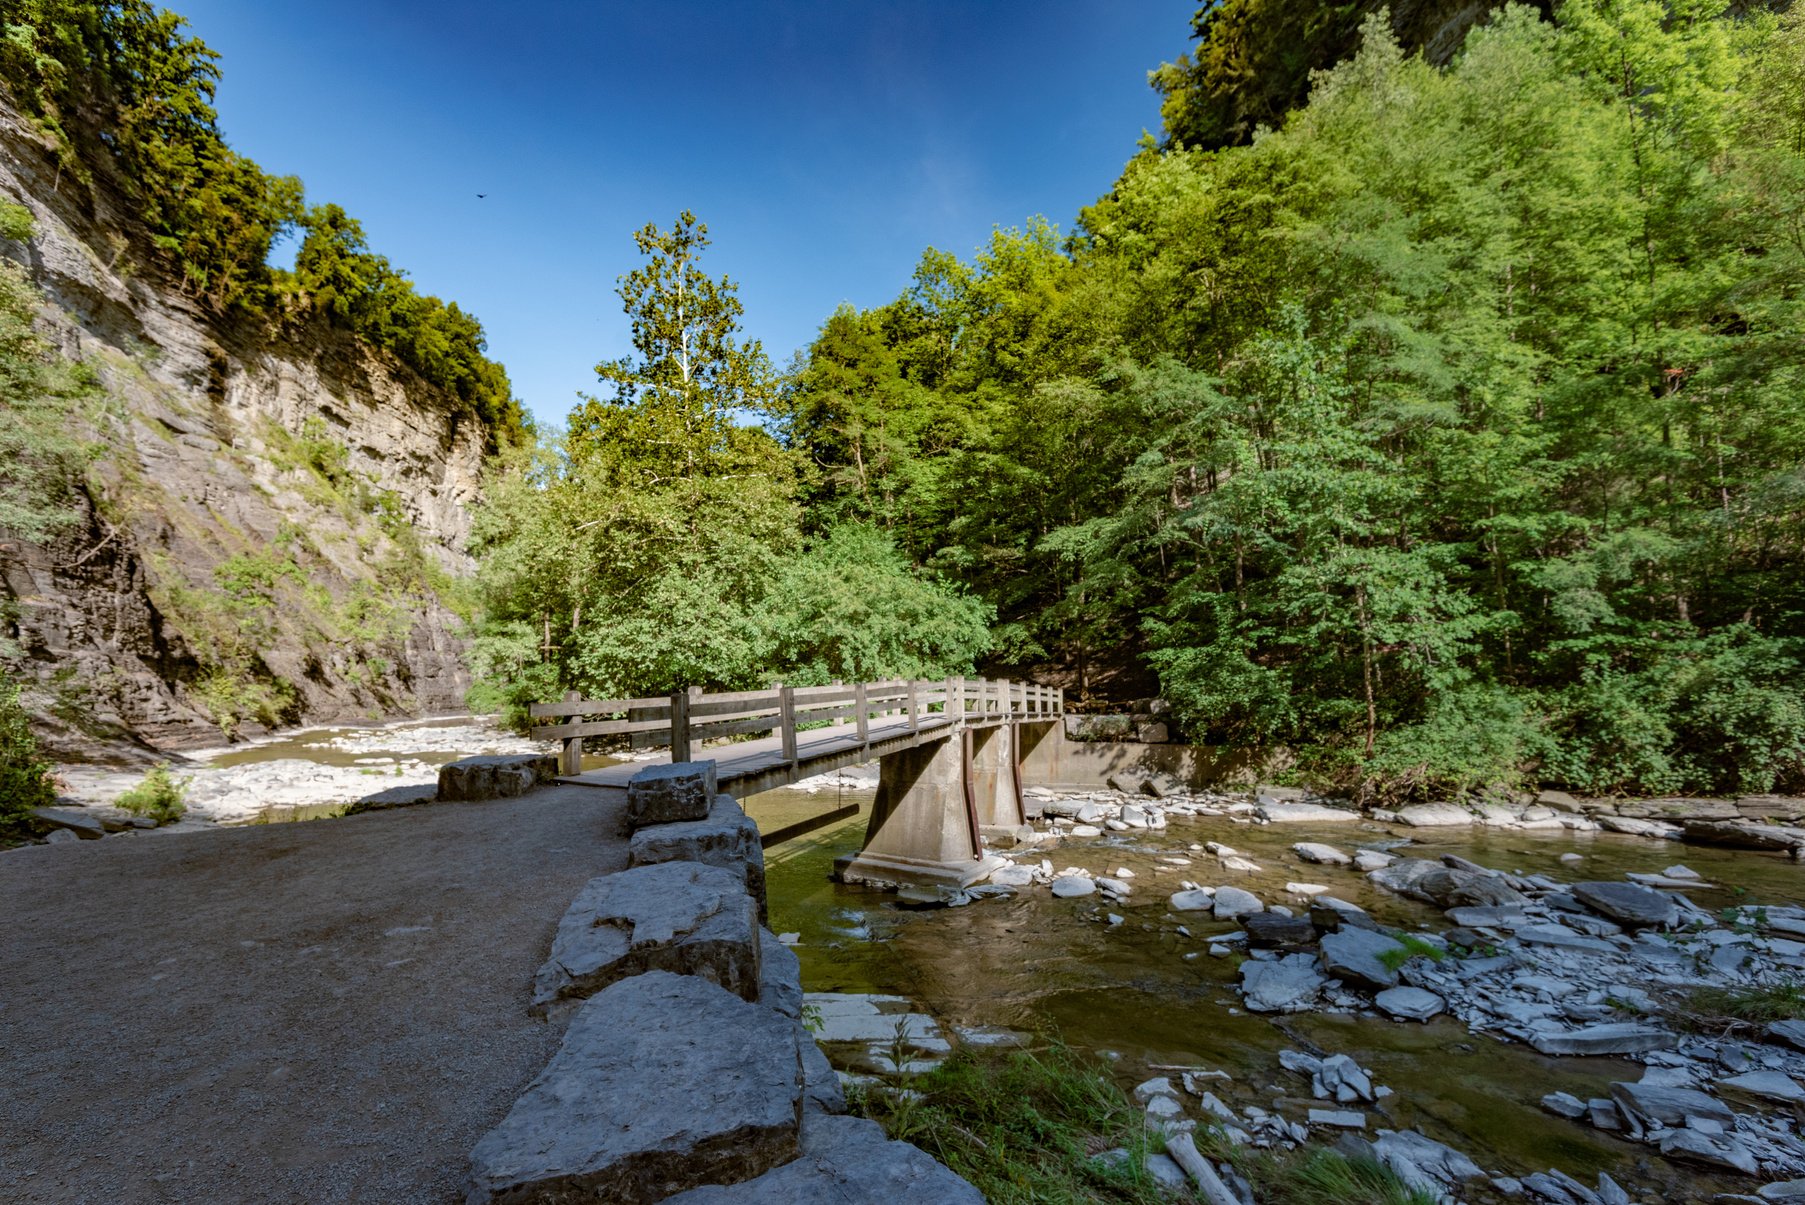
[{"x": 320, "y": 1012}]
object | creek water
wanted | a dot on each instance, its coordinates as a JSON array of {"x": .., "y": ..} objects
[{"x": 1144, "y": 996}]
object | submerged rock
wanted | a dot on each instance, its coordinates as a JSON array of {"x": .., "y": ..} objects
[{"x": 1285, "y": 985}]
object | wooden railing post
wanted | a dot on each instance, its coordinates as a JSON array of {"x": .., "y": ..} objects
[
  {"x": 786, "y": 714},
  {"x": 571, "y": 760},
  {"x": 680, "y": 726},
  {"x": 1005, "y": 698},
  {"x": 914, "y": 707},
  {"x": 862, "y": 712},
  {"x": 953, "y": 706}
]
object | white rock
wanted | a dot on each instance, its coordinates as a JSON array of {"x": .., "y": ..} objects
[{"x": 1071, "y": 886}]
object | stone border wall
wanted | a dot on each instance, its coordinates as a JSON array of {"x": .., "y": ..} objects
[{"x": 686, "y": 1072}]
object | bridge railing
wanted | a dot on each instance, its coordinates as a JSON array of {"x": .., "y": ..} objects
[{"x": 689, "y": 717}]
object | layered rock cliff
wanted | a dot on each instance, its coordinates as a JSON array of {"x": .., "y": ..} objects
[{"x": 274, "y": 520}]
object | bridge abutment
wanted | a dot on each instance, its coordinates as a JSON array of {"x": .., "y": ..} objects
[{"x": 924, "y": 829}]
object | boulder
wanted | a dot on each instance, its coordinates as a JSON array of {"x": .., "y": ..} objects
[
  {"x": 1071, "y": 886},
  {"x": 1232, "y": 903},
  {"x": 682, "y": 917},
  {"x": 1099, "y": 727},
  {"x": 1435, "y": 815},
  {"x": 1330, "y": 915},
  {"x": 61, "y": 836},
  {"x": 1505, "y": 916},
  {"x": 1012, "y": 876},
  {"x": 1321, "y": 855},
  {"x": 1161, "y": 786},
  {"x": 1562, "y": 938},
  {"x": 1353, "y": 956},
  {"x": 1791, "y": 1033},
  {"x": 1699, "y": 1147},
  {"x": 1628, "y": 904},
  {"x": 726, "y": 837},
  {"x": 1409, "y": 1003},
  {"x": 845, "y": 1159},
  {"x": 1368, "y": 860},
  {"x": 666, "y": 794},
  {"x": 1268, "y": 929},
  {"x": 662, "y": 1082},
  {"x": 71, "y": 820},
  {"x": 1774, "y": 1085},
  {"x": 504, "y": 777},
  {"x": 1191, "y": 901},
  {"x": 1633, "y": 827},
  {"x": 1285, "y": 985},
  {"x": 822, "y": 1091}
]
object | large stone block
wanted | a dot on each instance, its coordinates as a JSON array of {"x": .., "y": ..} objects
[
  {"x": 1099, "y": 727},
  {"x": 727, "y": 838},
  {"x": 677, "y": 916},
  {"x": 475, "y": 778},
  {"x": 846, "y": 1159},
  {"x": 779, "y": 976},
  {"x": 663, "y": 1083},
  {"x": 683, "y": 790}
]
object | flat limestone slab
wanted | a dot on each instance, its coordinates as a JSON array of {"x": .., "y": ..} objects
[
  {"x": 663, "y": 1083},
  {"x": 844, "y": 1160},
  {"x": 682, "y": 917}
]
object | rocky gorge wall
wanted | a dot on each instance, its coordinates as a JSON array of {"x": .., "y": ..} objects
[{"x": 274, "y": 520}]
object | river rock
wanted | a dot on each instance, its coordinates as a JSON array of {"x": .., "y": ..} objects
[
  {"x": 1304, "y": 813},
  {"x": 683, "y": 917},
  {"x": 1564, "y": 1104},
  {"x": 1563, "y": 938},
  {"x": 1668, "y": 1105},
  {"x": 1792, "y": 1033},
  {"x": 61, "y": 836},
  {"x": 1446, "y": 887},
  {"x": 1640, "y": 828},
  {"x": 1409, "y": 1003},
  {"x": 1613, "y": 1037},
  {"x": 1320, "y": 854},
  {"x": 1114, "y": 885},
  {"x": 1435, "y": 815},
  {"x": 1072, "y": 886},
  {"x": 1402, "y": 875},
  {"x": 1774, "y": 1085},
  {"x": 1628, "y": 904},
  {"x": 843, "y": 1160},
  {"x": 665, "y": 794},
  {"x": 1268, "y": 929},
  {"x": 727, "y": 838},
  {"x": 1352, "y": 956},
  {"x": 1330, "y": 915},
  {"x": 1200, "y": 900},
  {"x": 1133, "y": 815},
  {"x": 1406, "y": 1151},
  {"x": 1012, "y": 876},
  {"x": 1368, "y": 860},
  {"x": 1285, "y": 985},
  {"x": 1739, "y": 834},
  {"x": 1232, "y": 903},
  {"x": 82, "y": 824},
  {"x": 662, "y": 1082},
  {"x": 1508, "y": 916},
  {"x": 1699, "y": 1147}
]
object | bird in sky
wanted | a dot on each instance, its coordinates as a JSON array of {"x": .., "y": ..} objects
[{"x": 481, "y": 195}]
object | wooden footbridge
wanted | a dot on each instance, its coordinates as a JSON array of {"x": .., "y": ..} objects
[{"x": 949, "y": 754}]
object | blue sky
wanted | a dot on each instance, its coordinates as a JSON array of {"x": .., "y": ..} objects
[{"x": 825, "y": 144}]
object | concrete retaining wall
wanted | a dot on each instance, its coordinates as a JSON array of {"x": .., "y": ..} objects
[{"x": 1050, "y": 758}]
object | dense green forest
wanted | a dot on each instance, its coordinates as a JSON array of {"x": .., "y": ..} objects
[
  {"x": 1448, "y": 432},
  {"x": 125, "y": 93}
]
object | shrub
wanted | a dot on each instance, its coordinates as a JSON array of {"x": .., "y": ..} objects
[
  {"x": 1473, "y": 736},
  {"x": 15, "y": 222},
  {"x": 158, "y": 796},
  {"x": 24, "y": 777}
]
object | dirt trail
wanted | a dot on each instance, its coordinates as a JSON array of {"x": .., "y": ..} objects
[{"x": 321, "y": 1012}]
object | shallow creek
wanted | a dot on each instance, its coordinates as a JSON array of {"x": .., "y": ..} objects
[{"x": 1147, "y": 997}]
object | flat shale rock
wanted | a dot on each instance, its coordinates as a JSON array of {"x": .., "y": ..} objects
[
  {"x": 1628, "y": 904},
  {"x": 683, "y": 790},
  {"x": 726, "y": 837},
  {"x": 1353, "y": 956},
  {"x": 682, "y": 917},
  {"x": 663, "y": 1083},
  {"x": 845, "y": 1160}
]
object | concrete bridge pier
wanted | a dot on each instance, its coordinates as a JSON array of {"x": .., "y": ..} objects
[
  {"x": 924, "y": 829},
  {"x": 994, "y": 778}
]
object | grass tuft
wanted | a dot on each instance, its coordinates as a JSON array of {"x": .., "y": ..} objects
[{"x": 157, "y": 795}]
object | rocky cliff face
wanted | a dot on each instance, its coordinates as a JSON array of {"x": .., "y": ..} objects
[{"x": 272, "y": 524}]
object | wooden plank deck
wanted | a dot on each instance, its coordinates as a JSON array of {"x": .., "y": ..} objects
[{"x": 748, "y": 767}]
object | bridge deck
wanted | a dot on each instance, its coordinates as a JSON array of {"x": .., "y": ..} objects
[{"x": 748, "y": 767}]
